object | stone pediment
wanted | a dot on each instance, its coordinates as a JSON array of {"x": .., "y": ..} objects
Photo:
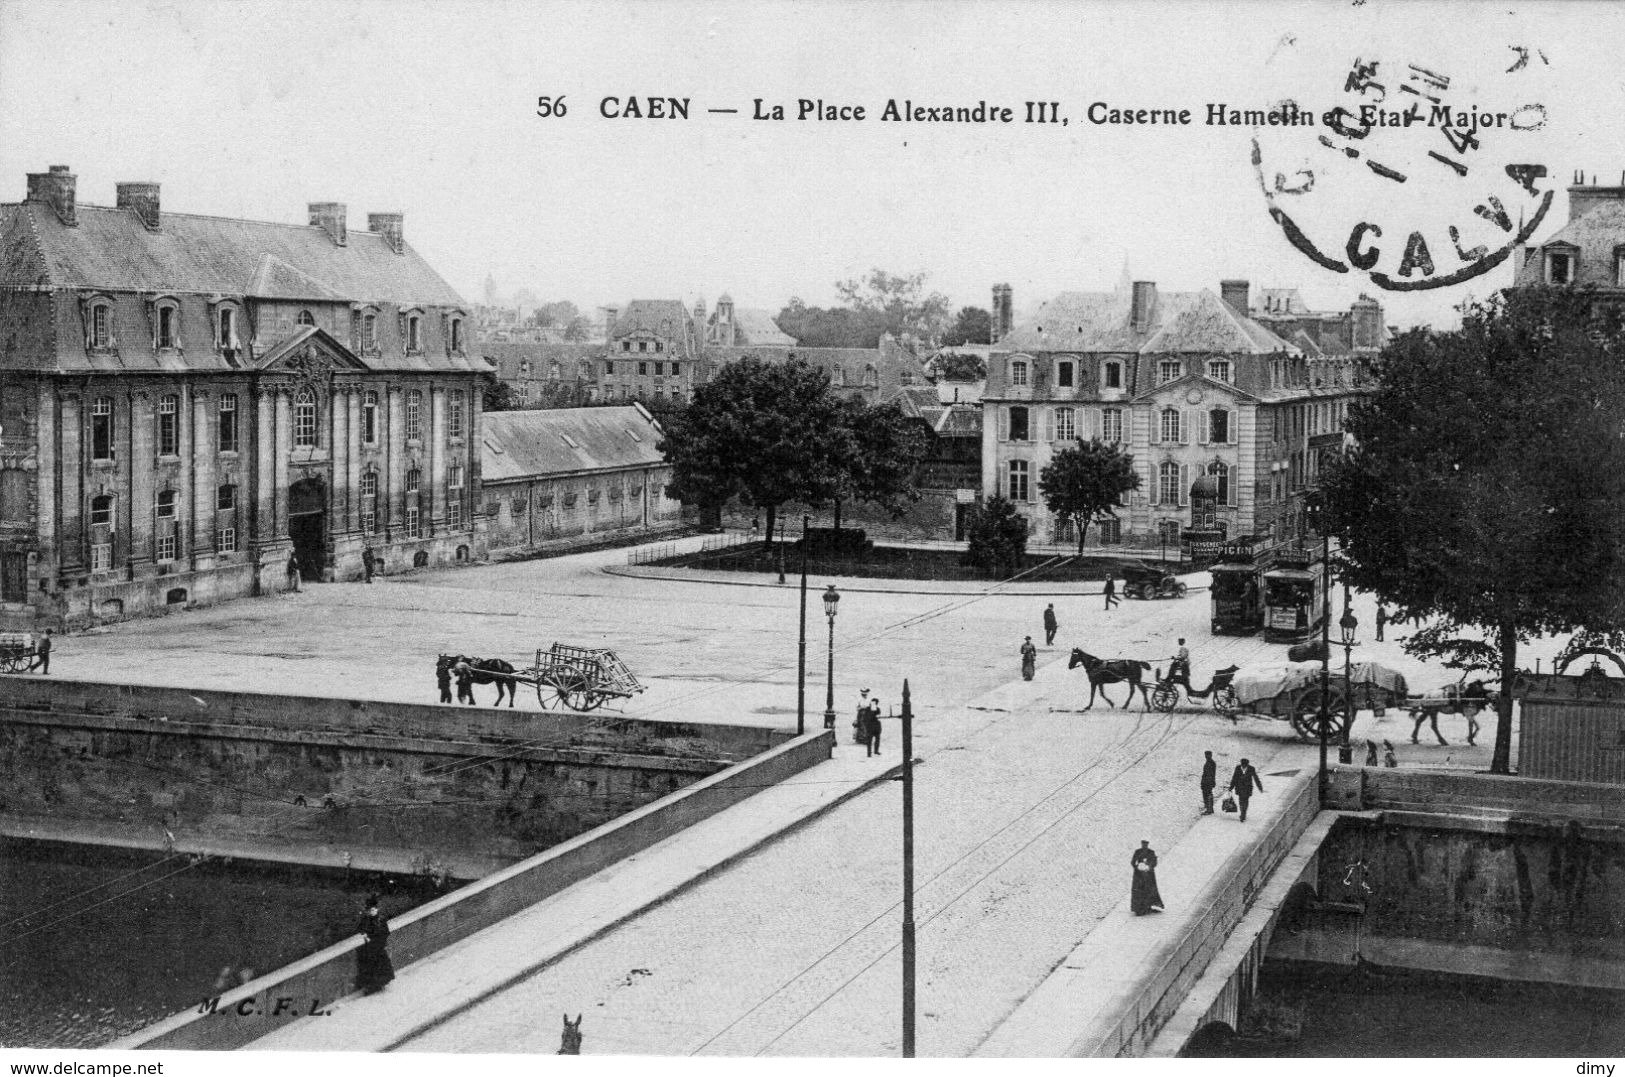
[{"x": 311, "y": 353}]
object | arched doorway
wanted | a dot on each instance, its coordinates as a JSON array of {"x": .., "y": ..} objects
[{"x": 307, "y": 526}]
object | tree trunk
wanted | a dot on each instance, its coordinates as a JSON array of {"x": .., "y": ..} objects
[
  {"x": 772, "y": 519},
  {"x": 1083, "y": 532},
  {"x": 837, "y": 514},
  {"x": 1501, "y": 758}
]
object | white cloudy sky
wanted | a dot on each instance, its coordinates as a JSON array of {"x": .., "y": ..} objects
[{"x": 427, "y": 106}]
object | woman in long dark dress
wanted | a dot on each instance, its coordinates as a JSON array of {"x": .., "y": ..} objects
[
  {"x": 1144, "y": 898},
  {"x": 372, "y": 965}
]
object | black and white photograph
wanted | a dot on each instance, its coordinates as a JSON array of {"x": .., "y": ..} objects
[{"x": 811, "y": 529}]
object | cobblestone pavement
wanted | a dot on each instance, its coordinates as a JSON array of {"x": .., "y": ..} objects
[{"x": 1027, "y": 807}]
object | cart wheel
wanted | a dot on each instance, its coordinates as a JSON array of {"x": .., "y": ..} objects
[
  {"x": 591, "y": 700},
  {"x": 1225, "y": 701},
  {"x": 1306, "y": 714},
  {"x": 546, "y": 694},
  {"x": 573, "y": 691},
  {"x": 1164, "y": 696},
  {"x": 15, "y": 663},
  {"x": 1180, "y": 589}
]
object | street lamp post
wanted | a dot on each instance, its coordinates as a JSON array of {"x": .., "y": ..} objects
[
  {"x": 1348, "y": 626},
  {"x": 908, "y": 875},
  {"x": 801, "y": 659},
  {"x": 832, "y": 599},
  {"x": 1325, "y": 718}
]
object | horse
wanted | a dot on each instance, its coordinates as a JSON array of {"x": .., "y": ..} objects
[
  {"x": 1467, "y": 700},
  {"x": 570, "y": 1039},
  {"x": 1104, "y": 671},
  {"x": 485, "y": 671}
]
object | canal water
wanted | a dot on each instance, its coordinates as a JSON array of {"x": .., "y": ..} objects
[
  {"x": 96, "y": 943},
  {"x": 1361, "y": 1013}
]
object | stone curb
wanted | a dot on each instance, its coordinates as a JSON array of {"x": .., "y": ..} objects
[{"x": 864, "y": 584}]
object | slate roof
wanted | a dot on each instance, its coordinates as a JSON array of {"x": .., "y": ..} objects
[
  {"x": 1596, "y": 234},
  {"x": 758, "y": 327},
  {"x": 648, "y": 314},
  {"x": 506, "y": 354},
  {"x": 1180, "y": 322},
  {"x": 111, "y": 249},
  {"x": 531, "y": 444}
]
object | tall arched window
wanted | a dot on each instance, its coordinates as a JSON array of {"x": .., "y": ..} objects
[
  {"x": 304, "y": 418},
  {"x": 414, "y": 415},
  {"x": 454, "y": 415},
  {"x": 169, "y": 425},
  {"x": 1169, "y": 426},
  {"x": 1168, "y": 483},
  {"x": 369, "y": 501},
  {"x": 101, "y": 428},
  {"x": 369, "y": 418},
  {"x": 226, "y": 427},
  {"x": 1221, "y": 471},
  {"x": 1020, "y": 487}
]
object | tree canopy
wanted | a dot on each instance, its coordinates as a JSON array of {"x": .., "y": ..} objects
[
  {"x": 876, "y": 304},
  {"x": 1486, "y": 485},
  {"x": 973, "y": 325},
  {"x": 1087, "y": 480},
  {"x": 878, "y": 462},
  {"x": 998, "y": 537}
]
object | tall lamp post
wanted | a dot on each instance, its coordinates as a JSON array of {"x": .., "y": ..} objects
[
  {"x": 908, "y": 874},
  {"x": 801, "y": 659},
  {"x": 1325, "y": 718},
  {"x": 832, "y": 598},
  {"x": 1348, "y": 626}
]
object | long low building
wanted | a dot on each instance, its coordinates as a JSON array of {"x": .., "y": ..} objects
[{"x": 556, "y": 475}]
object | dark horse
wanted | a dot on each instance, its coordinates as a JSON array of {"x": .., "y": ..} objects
[
  {"x": 1104, "y": 671},
  {"x": 570, "y": 1039},
  {"x": 485, "y": 671}
]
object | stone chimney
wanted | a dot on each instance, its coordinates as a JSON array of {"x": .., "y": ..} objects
[
  {"x": 609, "y": 322},
  {"x": 56, "y": 188},
  {"x": 1583, "y": 199},
  {"x": 389, "y": 226},
  {"x": 1367, "y": 317},
  {"x": 143, "y": 198},
  {"x": 1143, "y": 306},
  {"x": 1234, "y": 292},
  {"x": 1002, "y": 311},
  {"x": 329, "y": 216}
]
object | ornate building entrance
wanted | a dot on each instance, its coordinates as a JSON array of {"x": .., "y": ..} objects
[{"x": 307, "y": 526}]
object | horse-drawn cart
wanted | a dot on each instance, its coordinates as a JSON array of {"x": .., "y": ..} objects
[
  {"x": 580, "y": 678},
  {"x": 18, "y": 650},
  {"x": 1292, "y": 692}
]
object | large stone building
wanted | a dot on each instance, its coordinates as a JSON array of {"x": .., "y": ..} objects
[
  {"x": 186, "y": 401},
  {"x": 1190, "y": 385},
  {"x": 1589, "y": 250}
]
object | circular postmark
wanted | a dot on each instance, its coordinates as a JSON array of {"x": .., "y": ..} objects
[{"x": 1411, "y": 164}]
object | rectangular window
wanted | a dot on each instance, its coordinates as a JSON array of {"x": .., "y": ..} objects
[
  {"x": 1111, "y": 427},
  {"x": 169, "y": 426},
  {"x": 414, "y": 415},
  {"x": 166, "y": 548},
  {"x": 369, "y": 332},
  {"x": 1559, "y": 267},
  {"x": 1018, "y": 424},
  {"x": 226, "y": 540},
  {"x": 369, "y": 515},
  {"x": 101, "y": 333},
  {"x": 1065, "y": 428},
  {"x": 1111, "y": 531},
  {"x": 369, "y": 419},
  {"x": 626, "y": 345},
  {"x": 228, "y": 423},
  {"x": 414, "y": 522},
  {"x": 228, "y": 328},
  {"x": 166, "y": 504},
  {"x": 1019, "y": 488},
  {"x": 101, "y": 557},
  {"x": 1113, "y": 376},
  {"x": 674, "y": 367},
  {"x": 454, "y": 513},
  {"x": 225, "y": 498},
  {"x": 1218, "y": 426},
  {"x": 1063, "y": 376},
  {"x": 454, "y": 415},
  {"x": 166, "y": 327},
  {"x": 1219, "y": 369},
  {"x": 1018, "y": 373},
  {"x": 643, "y": 346},
  {"x": 1167, "y": 371},
  {"x": 609, "y": 370},
  {"x": 101, "y": 429},
  {"x": 643, "y": 368},
  {"x": 660, "y": 368}
]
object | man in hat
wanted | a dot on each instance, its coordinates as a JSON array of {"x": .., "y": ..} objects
[
  {"x": 373, "y": 969},
  {"x": 871, "y": 743},
  {"x": 1051, "y": 625},
  {"x": 293, "y": 572},
  {"x": 1029, "y": 659}
]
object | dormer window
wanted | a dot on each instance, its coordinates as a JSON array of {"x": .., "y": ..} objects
[
  {"x": 1167, "y": 371},
  {"x": 369, "y": 331},
  {"x": 414, "y": 334},
  {"x": 305, "y": 318},
  {"x": 1559, "y": 267},
  {"x": 1063, "y": 374},
  {"x": 225, "y": 337},
  {"x": 100, "y": 333},
  {"x": 456, "y": 336},
  {"x": 1111, "y": 375},
  {"x": 168, "y": 322},
  {"x": 1218, "y": 369},
  {"x": 1018, "y": 372}
]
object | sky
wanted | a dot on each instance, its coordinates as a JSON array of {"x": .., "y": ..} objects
[{"x": 429, "y": 107}]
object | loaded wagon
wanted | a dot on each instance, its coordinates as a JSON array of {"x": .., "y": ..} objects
[
  {"x": 1291, "y": 692},
  {"x": 18, "y": 651}
]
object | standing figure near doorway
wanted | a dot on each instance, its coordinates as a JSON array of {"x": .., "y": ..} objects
[{"x": 293, "y": 572}]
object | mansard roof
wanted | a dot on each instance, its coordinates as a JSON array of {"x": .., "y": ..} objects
[
  {"x": 532, "y": 444},
  {"x": 648, "y": 315},
  {"x": 111, "y": 249},
  {"x": 1179, "y": 322},
  {"x": 758, "y": 327},
  {"x": 1598, "y": 236}
]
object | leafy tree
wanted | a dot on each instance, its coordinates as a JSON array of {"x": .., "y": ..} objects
[
  {"x": 973, "y": 325},
  {"x": 877, "y": 459},
  {"x": 1087, "y": 480},
  {"x": 499, "y": 395},
  {"x": 1485, "y": 487},
  {"x": 901, "y": 300},
  {"x": 768, "y": 432},
  {"x": 953, "y": 366},
  {"x": 836, "y": 327},
  {"x": 998, "y": 537},
  {"x": 564, "y": 316}
]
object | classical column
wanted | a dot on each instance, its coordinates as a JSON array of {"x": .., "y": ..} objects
[
  {"x": 279, "y": 458},
  {"x": 137, "y": 514},
  {"x": 395, "y": 440},
  {"x": 352, "y": 459},
  {"x": 70, "y": 480},
  {"x": 434, "y": 483},
  {"x": 339, "y": 453},
  {"x": 476, "y": 495},
  {"x": 264, "y": 455},
  {"x": 203, "y": 483}
]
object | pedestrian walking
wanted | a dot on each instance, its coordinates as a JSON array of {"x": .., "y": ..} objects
[
  {"x": 872, "y": 741},
  {"x": 1243, "y": 780},
  {"x": 442, "y": 680},
  {"x": 1210, "y": 778},
  {"x": 373, "y": 969},
  {"x": 42, "y": 654},
  {"x": 368, "y": 561},
  {"x": 1389, "y": 759},
  {"x": 1143, "y": 894},
  {"x": 465, "y": 683},
  {"x": 1370, "y": 753},
  {"x": 858, "y": 726},
  {"x": 293, "y": 572},
  {"x": 1051, "y": 625},
  {"x": 1029, "y": 659},
  {"x": 1111, "y": 591},
  {"x": 1382, "y": 619}
]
